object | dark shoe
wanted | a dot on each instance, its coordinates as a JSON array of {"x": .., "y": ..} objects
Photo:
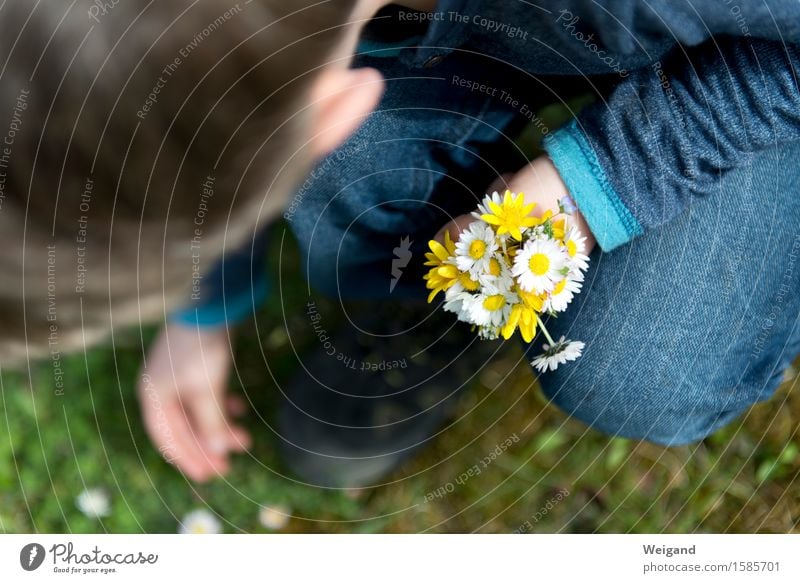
[{"x": 375, "y": 391}]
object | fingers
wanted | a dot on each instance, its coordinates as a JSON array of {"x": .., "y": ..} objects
[
  {"x": 168, "y": 427},
  {"x": 195, "y": 461},
  {"x": 237, "y": 407},
  {"x": 219, "y": 436},
  {"x": 197, "y": 439},
  {"x": 211, "y": 423},
  {"x": 184, "y": 405},
  {"x": 241, "y": 439}
]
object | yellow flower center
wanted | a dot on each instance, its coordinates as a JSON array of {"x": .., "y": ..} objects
[
  {"x": 559, "y": 287},
  {"x": 539, "y": 263},
  {"x": 467, "y": 282},
  {"x": 477, "y": 248},
  {"x": 494, "y": 303},
  {"x": 572, "y": 249},
  {"x": 494, "y": 267}
]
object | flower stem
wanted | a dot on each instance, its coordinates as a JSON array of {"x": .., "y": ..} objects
[{"x": 545, "y": 332}]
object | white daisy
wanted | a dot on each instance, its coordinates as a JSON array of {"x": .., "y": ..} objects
[
  {"x": 562, "y": 351},
  {"x": 465, "y": 283},
  {"x": 483, "y": 207},
  {"x": 274, "y": 517},
  {"x": 454, "y": 303},
  {"x": 490, "y": 307},
  {"x": 539, "y": 265},
  {"x": 475, "y": 247},
  {"x": 94, "y": 503},
  {"x": 575, "y": 244},
  {"x": 497, "y": 273},
  {"x": 562, "y": 294},
  {"x": 455, "y": 295},
  {"x": 200, "y": 521}
]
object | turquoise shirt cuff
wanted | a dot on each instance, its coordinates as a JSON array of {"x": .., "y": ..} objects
[
  {"x": 234, "y": 309},
  {"x": 611, "y": 222}
]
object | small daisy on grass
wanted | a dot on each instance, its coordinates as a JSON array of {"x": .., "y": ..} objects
[
  {"x": 274, "y": 517},
  {"x": 200, "y": 521},
  {"x": 94, "y": 503}
]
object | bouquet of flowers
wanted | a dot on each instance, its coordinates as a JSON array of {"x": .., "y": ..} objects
[{"x": 507, "y": 269}]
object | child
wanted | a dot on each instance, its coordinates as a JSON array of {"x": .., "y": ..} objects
[
  {"x": 138, "y": 141},
  {"x": 686, "y": 168}
]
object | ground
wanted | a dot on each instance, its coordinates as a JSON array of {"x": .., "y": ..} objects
[{"x": 556, "y": 477}]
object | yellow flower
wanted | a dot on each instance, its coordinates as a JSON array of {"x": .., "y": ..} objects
[
  {"x": 442, "y": 275},
  {"x": 559, "y": 229},
  {"x": 494, "y": 269},
  {"x": 531, "y": 300},
  {"x": 440, "y": 253},
  {"x": 466, "y": 281},
  {"x": 521, "y": 317},
  {"x": 511, "y": 215},
  {"x": 524, "y": 316}
]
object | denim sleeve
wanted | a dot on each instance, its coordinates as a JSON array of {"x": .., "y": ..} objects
[
  {"x": 232, "y": 290},
  {"x": 627, "y": 27},
  {"x": 667, "y": 133}
]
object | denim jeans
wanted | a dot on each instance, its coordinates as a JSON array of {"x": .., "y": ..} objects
[
  {"x": 685, "y": 327},
  {"x": 694, "y": 322}
]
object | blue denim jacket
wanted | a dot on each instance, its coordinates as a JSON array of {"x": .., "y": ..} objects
[{"x": 695, "y": 89}]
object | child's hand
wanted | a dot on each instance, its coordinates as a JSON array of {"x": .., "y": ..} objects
[
  {"x": 541, "y": 183},
  {"x": 184, "y": 406}
]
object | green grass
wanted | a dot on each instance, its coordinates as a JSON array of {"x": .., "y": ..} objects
[{"x": 743, "y": 479}]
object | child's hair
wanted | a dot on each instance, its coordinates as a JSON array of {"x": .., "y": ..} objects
[{"x": 135, "y": 137}]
